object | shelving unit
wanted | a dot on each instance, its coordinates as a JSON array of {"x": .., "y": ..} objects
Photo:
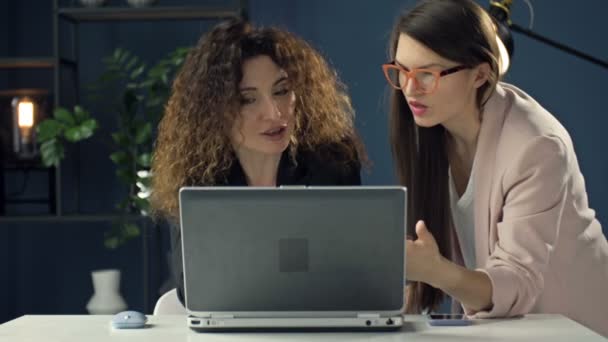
[
  {"x": 81, "y": 15},
  {"x": 68, "y": 218},
  {"x": 32, "y": 63},
  {"x": 22, "y": 63},
  {"x": 148, "y": 13},
  {"x": 57, "y": 62}
]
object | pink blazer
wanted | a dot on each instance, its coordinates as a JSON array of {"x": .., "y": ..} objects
[{"x": 535, "y": 235}]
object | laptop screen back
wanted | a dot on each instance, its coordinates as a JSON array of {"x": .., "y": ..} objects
[{"x": 315, "y": 249}]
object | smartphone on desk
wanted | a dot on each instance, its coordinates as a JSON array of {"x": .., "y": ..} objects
[{"x": 449, "y": 320}]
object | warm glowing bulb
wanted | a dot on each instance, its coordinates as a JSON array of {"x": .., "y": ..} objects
[{"x": 26, "y": 114}]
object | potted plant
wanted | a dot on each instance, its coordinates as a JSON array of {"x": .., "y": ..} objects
[{"x": 142, "y": 94}]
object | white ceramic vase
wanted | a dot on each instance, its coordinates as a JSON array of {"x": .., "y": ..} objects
[{"x": 106, "y": 299}]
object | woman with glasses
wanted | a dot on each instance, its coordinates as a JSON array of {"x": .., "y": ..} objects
[
  {"x": 499, "y": 217},
  {"x": 252, "y": 107}
]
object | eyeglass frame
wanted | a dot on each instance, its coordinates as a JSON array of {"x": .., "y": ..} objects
[{"x": 412, "y": 73}]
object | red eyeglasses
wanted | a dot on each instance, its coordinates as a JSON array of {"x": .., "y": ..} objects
[{"x": 425, "y": 80}]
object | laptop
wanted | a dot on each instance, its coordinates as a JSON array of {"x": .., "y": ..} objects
[{"x": 293, "y": 257}]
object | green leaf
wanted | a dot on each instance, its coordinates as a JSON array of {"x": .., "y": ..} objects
[
  {"x": 80, "y": 114},
  {"x": 140, "y": 203},
  {"x": 131, "y": 230},
  {"x": 146, "y": 84},
  {"x": 144, "y": 159},
  {"x": 73, "y": 134},
  {"x": 111, "y": 242},
  {"x": 156, "y": 72},
  {"x": 143, "y": 133},
  {"x": 88, "y": 127},
  {"x": 121, "y": 139},
  {"x": 146, "y": 182},
  {"x": 179, "y": 61},
  {"x": 120, "y": 157},
  {"x": 132, "y": 63},
  {"x": 155, "y": 101},
  {"x": 51, "y": 152},
  {"x": 48, "y": 129},
  {"x": 132, "y": 85},
  {"x": 64, "y": 116},
  {"x": 126, "y": 176},
  {"x": 137, "y": 72},
  {"x": 122, "y": 56},
  {"x": 117, "y": 54}
]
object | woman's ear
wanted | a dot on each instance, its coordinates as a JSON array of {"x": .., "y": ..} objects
[{"x": 482, "y": 72}]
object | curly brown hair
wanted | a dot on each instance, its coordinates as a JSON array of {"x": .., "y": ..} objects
[{"x": 193, "y": 145}]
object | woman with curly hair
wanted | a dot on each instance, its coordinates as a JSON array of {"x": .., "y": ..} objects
[{"x": 252, "y": 106}]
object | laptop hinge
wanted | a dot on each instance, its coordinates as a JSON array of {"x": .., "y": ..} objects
[
  {"x": 222, "y": 316},
  {"x": 368, "y": 315}
]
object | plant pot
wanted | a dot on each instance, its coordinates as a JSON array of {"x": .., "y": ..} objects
[{"x": 106, "y": 299}]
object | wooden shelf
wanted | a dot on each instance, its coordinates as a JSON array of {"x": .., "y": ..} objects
[
  {"x": 69, "y": 218},
  {"x": 23, "y": 63},
  {"x": 148, "y": 13},
  {"x": 24, "y": 92},
  {"x": 36, "y": 200},
  {"x": 32, "y": 62}
]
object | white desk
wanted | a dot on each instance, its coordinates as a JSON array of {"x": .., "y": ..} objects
[{"x": 552, "y": 328}]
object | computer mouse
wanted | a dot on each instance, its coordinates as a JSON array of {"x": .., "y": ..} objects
[{"x": 129, "y": 320}]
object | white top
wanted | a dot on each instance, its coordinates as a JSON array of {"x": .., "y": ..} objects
[
  {"x": 57, "y": 328},
  {"x": 463, "y": 215}
]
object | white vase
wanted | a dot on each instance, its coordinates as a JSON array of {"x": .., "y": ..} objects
[{"x": 106, "y": 298}]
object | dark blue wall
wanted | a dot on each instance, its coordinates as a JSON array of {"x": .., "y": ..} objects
[
  {"x": 572, "y": 89},
  {"x": 47, "y": 265}
]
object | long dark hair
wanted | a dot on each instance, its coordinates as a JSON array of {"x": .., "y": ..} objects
[{"x": 461, "y": 31}]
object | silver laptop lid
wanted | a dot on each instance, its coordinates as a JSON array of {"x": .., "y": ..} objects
[{"x": 293, "y": 252}]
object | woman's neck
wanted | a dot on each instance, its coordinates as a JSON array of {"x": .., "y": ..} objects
[
  {"x": 462, "y": 133},
  {"x": 260, "y": 169},
  {"x": 462, "y": 137}
]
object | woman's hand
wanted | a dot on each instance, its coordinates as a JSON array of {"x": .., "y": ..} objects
[
  {"x": 424, "y": 263},
  {"x": 423, "y": 260}
]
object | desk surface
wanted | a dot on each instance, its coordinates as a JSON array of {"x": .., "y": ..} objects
[{"x": 552, "y": 328}]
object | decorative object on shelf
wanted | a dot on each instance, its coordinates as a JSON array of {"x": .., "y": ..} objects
[
  {"x": 27, "y": 112},
  {"x": 141, "y": 3},
  {"x": 21, "y": 111},
  {"x": 92, "y": 3},
  {"x": 106, "y": 299},
  {"x": 65, "y": 126}
]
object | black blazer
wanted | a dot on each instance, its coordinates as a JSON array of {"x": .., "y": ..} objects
[{"x": 324, "y": 166}]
